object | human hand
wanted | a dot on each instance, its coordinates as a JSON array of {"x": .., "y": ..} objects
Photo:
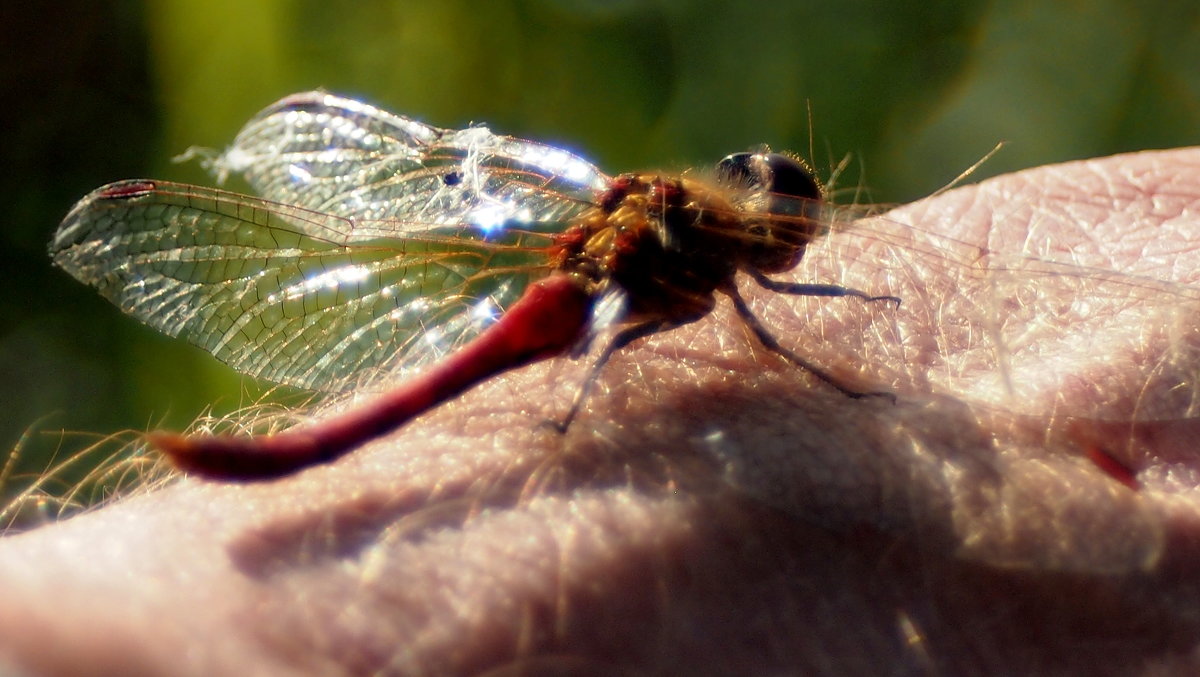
[{"x": 715, "y": 511}]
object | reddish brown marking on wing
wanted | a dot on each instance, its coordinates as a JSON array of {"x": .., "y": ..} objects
[{"x": 128, "y": 189}]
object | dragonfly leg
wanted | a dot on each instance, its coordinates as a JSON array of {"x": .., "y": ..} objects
[
  {"x": 770, "y": 343},
  {"x": 622, "y": 339},
  {"x": 800, "y": 289}
]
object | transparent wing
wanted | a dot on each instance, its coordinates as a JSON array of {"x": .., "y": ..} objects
[
  {"x": 297, "y": 296},
  {"x": 379, "y": 242},
  {"x": 344, "y": 157}
]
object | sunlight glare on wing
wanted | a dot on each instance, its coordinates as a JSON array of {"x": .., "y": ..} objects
[
  {"x": 330, "y": 279},
  {"x": 485, "y": 311},
  {"x": 299, "y": 174},
  {"x": 559, "y": 161},
  {"x": 493, "y": 214}
]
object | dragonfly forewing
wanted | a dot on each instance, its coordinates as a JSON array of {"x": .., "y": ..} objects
[{"x": 344, "y": 157}]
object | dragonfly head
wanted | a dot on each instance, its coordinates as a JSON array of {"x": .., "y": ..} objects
[{"x": 783, "y": 190}]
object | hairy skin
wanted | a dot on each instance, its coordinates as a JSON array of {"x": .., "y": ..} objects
[{"x": 713, "y": 511}]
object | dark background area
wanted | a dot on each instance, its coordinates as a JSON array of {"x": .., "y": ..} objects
[{"x": 95, "y": 92}]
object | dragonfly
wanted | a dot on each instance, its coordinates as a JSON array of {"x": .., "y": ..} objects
[
  {"x": 381, "y": 243},
  {"x": 378, "y": 244}
]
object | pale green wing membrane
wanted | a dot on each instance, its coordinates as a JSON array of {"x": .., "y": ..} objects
[
  {"x": 345, "y": 157},
  {"x": 384, "y": 249}
]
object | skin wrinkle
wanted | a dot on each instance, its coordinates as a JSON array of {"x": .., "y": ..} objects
[{"x": 719, "y": 515}]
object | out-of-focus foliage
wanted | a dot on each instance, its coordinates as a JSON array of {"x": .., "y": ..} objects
[{"x": 917, "y": 92}]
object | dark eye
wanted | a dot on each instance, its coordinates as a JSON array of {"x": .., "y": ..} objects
[
  {"x": 773, "y": 172},
  {"x": 782, "y": 191}
]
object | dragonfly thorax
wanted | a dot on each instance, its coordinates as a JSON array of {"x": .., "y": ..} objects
[{"x": 668, "y": 243}]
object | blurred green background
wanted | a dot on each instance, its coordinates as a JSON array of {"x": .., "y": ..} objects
[{"x": 915, "y": 91}]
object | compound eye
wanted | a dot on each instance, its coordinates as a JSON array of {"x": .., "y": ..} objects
[
  {"x": 789, "y": 176},
  {"x": 783, "y": 177},
  {"x": 772, "y": 172},
  {"x": 742, "y": 170},
  {"x": 781, "y": 189}
]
